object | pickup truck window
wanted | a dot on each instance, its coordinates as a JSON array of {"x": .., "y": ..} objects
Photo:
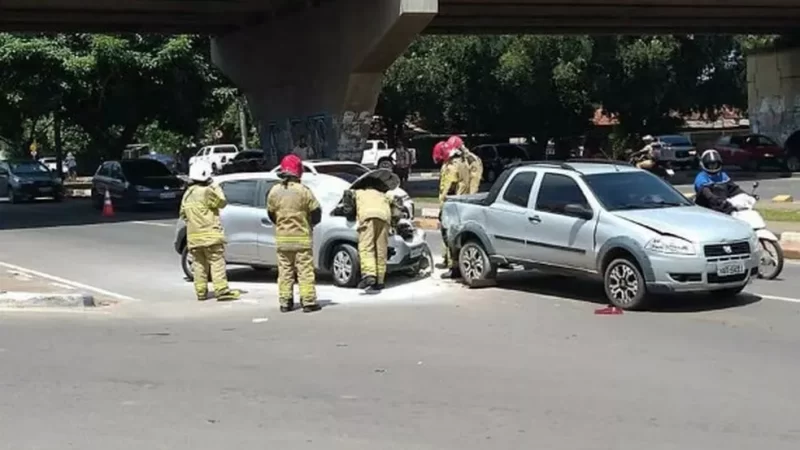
[
  {"x": 519, "y": 189},
  {"x": 558, "y": 191},
  {"x": 633, "y": 190}
]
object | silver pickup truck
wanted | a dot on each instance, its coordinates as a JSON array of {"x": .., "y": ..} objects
[{"x": 602, "y": 220}]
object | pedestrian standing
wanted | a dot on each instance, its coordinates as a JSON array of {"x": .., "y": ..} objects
[
  {"x": 294, "y": 210},
  {"x": 205, "y": 238},
  {"x": 403, "y": 159}
]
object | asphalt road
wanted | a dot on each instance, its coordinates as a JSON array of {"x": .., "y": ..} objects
[{"x": 426, "y": 365}]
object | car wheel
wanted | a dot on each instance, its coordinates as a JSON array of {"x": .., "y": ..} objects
[
  {"x": 186, "y": 263},
  {"x": 12, "y": 197},
  {"x": 771, "y": 261},
  {"x": 724, "y": 294},
  {"x": 385, "y": 164},
  {"x": 624, "y": 284},
  {"x": 345, "y": 266},
  {"x": 793, "y": 164},
  {"x": 476, "y": 268}
]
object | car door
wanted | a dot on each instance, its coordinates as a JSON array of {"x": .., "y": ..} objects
[
  {"x": 565, "y": 240},
  {"x": 507, "y": 217},
  {"x": 266, "y": 234},
  {"x": 241, "y": 220},
  {"x": 4, "y": 176},
  {"x": 767, "y": 148},
  {"x": 116, "y": 181}
]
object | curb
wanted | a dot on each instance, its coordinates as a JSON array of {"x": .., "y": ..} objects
[{"x": 40, "y": 300}]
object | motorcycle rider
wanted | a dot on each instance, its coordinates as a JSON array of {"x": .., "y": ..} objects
[
  {"x": 648, "y": 153},
  {"x": 712, "y": 186}
]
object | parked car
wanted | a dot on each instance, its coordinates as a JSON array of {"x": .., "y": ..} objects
[
  {"x": 751, "y": 152},
  {"x": 378, "y": 155},
  {"x": 496, "y": 157},
  {"x": 250, "y": 160},
  {"x": 350, "y": 171},
  {"x": 251, "y": 236},
  {"x": 27, "y": 179},
  {"x": 139, "y": 182},
  {"x": 216, "y": 155},
  {"x": 608, "y": 221},
  {"x": 677, "y": 150}
]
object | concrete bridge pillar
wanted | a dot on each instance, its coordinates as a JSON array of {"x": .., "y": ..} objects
[
  {"x": 316, "y": 75},
  {"x": 773, "y": 95}
]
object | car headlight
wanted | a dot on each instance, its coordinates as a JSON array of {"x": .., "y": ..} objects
[
  {"x": 671, "y": 246},
  {"x": 768, "y": 155},
  {"x": 755, "y": 244}
]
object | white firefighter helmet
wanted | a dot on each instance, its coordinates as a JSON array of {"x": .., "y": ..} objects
[
  {"x": 648, "y": 138},
  {"x": 200, "y": 171}
]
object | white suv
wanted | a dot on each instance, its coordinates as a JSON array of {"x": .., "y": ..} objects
[{"x": 216, "y": 155}]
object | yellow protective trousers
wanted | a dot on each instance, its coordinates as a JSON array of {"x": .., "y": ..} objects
[
  {"x": 299, "y": 263},
  {"x": 209, "y": 260},
  {"x": 373, "y": 248}
]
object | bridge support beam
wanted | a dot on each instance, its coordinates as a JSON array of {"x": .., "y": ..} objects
[
  {"x": 316, "y": 75},
  {"x": 773, "y": 95}
]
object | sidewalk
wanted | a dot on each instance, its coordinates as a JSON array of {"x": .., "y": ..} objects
[{"x": 24, "y": 290}]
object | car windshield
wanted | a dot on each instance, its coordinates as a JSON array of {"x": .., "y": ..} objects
[
  {"x": 28, "y": 168},
  {"x": 143, "y": 168},
  {"x": 249, "y": 154},
  {"x": 347, "y": 172},
  {"x": 675, "y": 140},
  {"x": 633, "y": 190}
]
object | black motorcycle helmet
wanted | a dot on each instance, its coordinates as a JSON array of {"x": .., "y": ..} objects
[{"x": 711, "y": 161}]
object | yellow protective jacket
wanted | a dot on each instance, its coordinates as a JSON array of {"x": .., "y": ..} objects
[
  {"x": 453, "y": 178},
  {"x": 200, "y": 209},
  {"x": 294, "y": 210},
  {"x": 358, "y": 207},
  {"x": 475, "y": 170},
  {"x": 373, "y": 204}
]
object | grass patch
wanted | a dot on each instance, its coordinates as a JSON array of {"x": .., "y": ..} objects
[
  {"x": 427, "y": 200},
  {"x": 780, "y": 215}
]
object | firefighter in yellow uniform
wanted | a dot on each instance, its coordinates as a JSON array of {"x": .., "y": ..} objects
[
  {"x": 453, "y": 180},
  {"x": 473, "y": 162},
  {"x": 294, "y": 210},
  {"x": 205, "y": 238},
  {"x": 369, "y": 203}
]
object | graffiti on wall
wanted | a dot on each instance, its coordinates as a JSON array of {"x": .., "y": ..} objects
[
  {"x": 775, "y": 117},
  {"x": 320, "y": 136}
]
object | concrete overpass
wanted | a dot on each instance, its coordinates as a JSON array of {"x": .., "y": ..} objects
[{"x": 313, "y": 68}]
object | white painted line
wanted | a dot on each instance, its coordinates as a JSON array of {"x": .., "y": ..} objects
[
  {"x": 775, "y": 297},
  {"x": 67, "y": 282},
  {"x": 154, "y": 224}
]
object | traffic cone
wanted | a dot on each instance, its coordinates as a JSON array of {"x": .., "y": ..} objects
[
  {"x": 108, "y": 208},
  {"x": 608, "y": 311}
]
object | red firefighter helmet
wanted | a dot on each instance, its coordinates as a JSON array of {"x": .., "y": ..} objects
[
  {"x": 440, "y": 151},
  {"x": 292, "y": 165},
  {"x": 455, "y": 142}
]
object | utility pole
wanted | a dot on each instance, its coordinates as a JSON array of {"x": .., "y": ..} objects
[
  {"x": 242, "y": 122},
  {"x": 58, "y": 144}
]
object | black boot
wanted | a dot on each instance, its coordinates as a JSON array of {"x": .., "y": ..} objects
[
  {"x": 311, "y": 308},
  {"x": 287, "y": 307},
  {"x": 452, "y": 274},
  {"x": 374, "y": 289},
  {"x": 366, "y": 282}
]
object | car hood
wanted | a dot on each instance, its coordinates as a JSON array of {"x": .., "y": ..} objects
[
  {"x": 158, "y": 182},
  {"x": 34, "y": 176},
  {"x": 389, "y": 179},
  {"x": 691, "y": 222}
]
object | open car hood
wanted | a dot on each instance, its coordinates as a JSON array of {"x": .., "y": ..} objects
[{"x": 389, "y": 179}]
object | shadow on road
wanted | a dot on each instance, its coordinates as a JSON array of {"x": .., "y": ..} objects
[
  {"x": 249, "y": 275},
  {"x": 590, "y": 291},
  {"x": 70, "y": 212}
]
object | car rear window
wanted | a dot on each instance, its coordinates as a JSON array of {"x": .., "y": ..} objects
[
  {"x": 225, "y": 150},
  {"x": 26, "y": 167},
  {"x": 339, "y": 170},
  {"x": 143, "y": 168}
]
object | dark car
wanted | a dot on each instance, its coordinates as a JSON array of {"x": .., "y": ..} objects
[
  {"x": 27, "y": 180},
  {"x": 250, "y": 160},
  {"x": 751, "y": 151},
  {"x": 496, "y": 157},
  {"x": 136, "y": 182}
]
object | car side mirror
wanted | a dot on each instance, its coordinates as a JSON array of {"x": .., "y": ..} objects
[{"x": 579, "y": 211}]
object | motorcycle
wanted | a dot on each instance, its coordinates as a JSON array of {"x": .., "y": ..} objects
[
  {"x": 661, "y": 169},
  {"x": 771, "y": 251}
]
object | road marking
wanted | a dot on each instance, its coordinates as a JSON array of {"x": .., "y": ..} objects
[
  {"x": 67, "y": 282},
  {"x": 154, "y": 224},
  {"x": 779, "y": 298}
]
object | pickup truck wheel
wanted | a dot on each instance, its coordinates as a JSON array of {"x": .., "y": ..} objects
[
  {"x": 475, "y": 266},
  {"x": 624, "y": 284},
  {"x": 345, "y": 266}
]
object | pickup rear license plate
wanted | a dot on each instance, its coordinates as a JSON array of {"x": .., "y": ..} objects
[
  {"x": 167, "y": 195},
  {"x": 729, "y": 269}
]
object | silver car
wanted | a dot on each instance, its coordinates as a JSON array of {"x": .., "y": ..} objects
[
  {"x": 609, "y": 221},
  {"x": 251, "y": 235}
]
